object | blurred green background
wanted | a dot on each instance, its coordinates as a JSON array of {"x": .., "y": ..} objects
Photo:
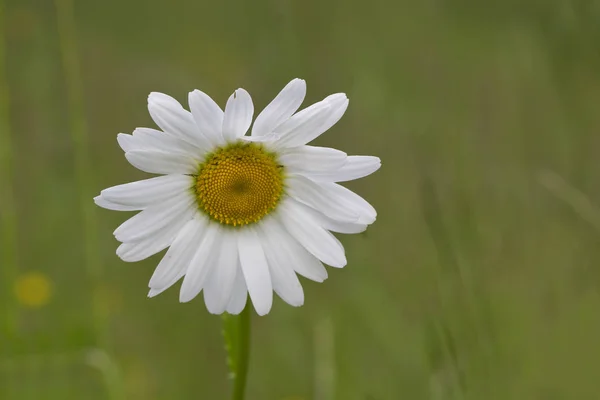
[{"x": 479, "y": 280}]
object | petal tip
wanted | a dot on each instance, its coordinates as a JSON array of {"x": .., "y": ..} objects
[
  {"x": 98, "y": 200},
  {"x": 120, "y": 255},
  {"x": 337, "y": 97},
  {"x": 298, "y": 81},
  {"x": 214, "y": 312},
  {"x": 297, "y": 303},
  {"x": 341, "y": 263},
  {"x": 125, "y": 141},
  {"x": 185, "y": 297},
  {"x": 240, "y": 92},
  {"x": 377, "y": 163},
  {"x": 262, "y": 313}
]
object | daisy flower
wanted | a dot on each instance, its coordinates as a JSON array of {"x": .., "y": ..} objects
[{"x": 240, "y": 214}]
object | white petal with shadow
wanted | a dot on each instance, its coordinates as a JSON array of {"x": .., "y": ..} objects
[
  {"x": 142, "y": 249},
  {"x": 350, "y": 200},
  {"x": 172, "y": 118},
  {"x": 218, "y": 288},
  {"x": 109, "y": 205},
  {"x": 239, "y": 294},
  {"x": 300, "y": 260},
  {"x": 283, "y": 277},
  {"x": 310, "y": 234},
  {"x": 238, "y": 115},
  {"x": 255, "y": 269},
  {"x": 326, "y": 201},
  {"x": 175, "y": 262},
  {"x": 207, "y": 115},
  {"x": 337, "y": 226},
  {"x": 153, "y": 139},
  {"x": 202, "y": 264},
  {"x": 154, "y": 218},
  {"x": 311, "y": 159},
  {"x": 158, "y": 162},
  {"x": 283, "y": 106},
  {"x": 301, "y": 126},
  {"x": 148, "y": 191},
  {"x": 314, "y": 120},
  {"x": 355, "y": 167}
]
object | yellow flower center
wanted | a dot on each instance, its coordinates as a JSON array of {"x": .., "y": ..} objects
[{"x": 239, "y": 184}]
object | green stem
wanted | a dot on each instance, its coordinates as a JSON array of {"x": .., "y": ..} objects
[
  {"x": 239, "y": 387},
  {"x": 237, "y": 342},
  {"x": 8, "y": 213}
]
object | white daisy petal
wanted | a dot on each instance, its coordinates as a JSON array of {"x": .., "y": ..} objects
[
  {"x": 156, "y": 292},
  {"x": 172, "y": 118},
  {"x": 256, "y": 270},
  {"x": 177, "y": 259},
  {"x": 351, "y": 201},
  {"x": 318, "y": 241},
  {"x": 149, "y": 191},
  {"x": 355, "y": 167},
  {"x": 126, "y": 142},
  {"x": 342, "y": 227},
  {"x": 152, "y": 139},
  {"x": 301, "y": 260},
  {"x": 326, "y": 201},
  {"x": 201, "y": 265},
  {"x": 285, "y": 281},
  {"x": 295, "y": 131},
  {"x": 238, "y": 115},
  {"x": 140, "y": 250},
  {"x": 208, "y": 116},
  {"x": 308, "y": 265},
  {"x": 315, "y": 120},
  {"x": 219, "y": 286},
  {"x": 239, "y": 294},
  {"x": 109, "y": 205},
  {"x": 271, "y": 137},
  {"x": 338, "y": 103},
  {"x": 281, "y": 108},
  {"x": 158, "y": 162},
  {"x": 337, "y": 226},
  {"x": 154, "y": 218},
  {"x": 312, "y": 159},
  {"x": 137, "y": 251}
]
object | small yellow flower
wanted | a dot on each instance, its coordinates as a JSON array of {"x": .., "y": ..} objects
[{"x": 33, "y": 290}]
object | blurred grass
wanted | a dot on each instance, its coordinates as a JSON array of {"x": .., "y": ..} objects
[
  {"x": 478, "y": 281},
  {"x": 7, "y": 198},
  {"x": 67, "y": 35}
]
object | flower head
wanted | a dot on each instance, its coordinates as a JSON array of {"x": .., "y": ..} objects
[{"x": 240, "y": 214}]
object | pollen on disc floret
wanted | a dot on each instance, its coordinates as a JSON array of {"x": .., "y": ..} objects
[{"x": 239, "y": 184}]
